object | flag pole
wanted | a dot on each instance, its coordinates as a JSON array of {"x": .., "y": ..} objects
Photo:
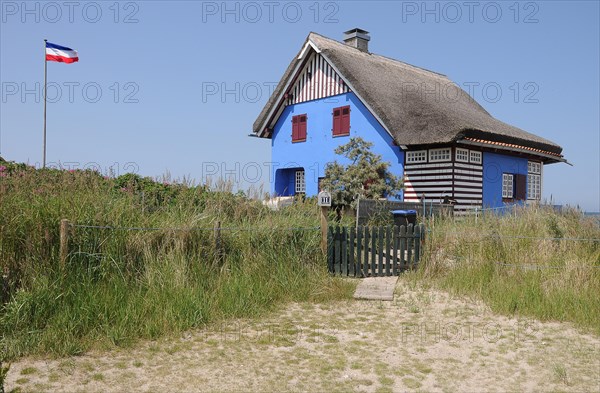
[{"x": 45, "y": 85}]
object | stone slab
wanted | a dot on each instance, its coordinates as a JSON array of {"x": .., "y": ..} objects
[{"x": 376, "y": 288}]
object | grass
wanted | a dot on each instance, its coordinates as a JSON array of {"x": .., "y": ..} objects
[
  {"x": 533, "y": 262},
  {"x": 98, "y": 377},
  {"x": 29, "y": 370},
  {"x": 560, "y": 372},
  {"x": 122, "y": 285}
]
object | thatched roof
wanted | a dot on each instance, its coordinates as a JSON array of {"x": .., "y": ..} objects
[{"x": 417, "y": 106}]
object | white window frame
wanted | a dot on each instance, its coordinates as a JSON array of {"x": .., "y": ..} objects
[
  {"x": 508, "y": 185},
  {"x": 460, "y": 151},
  {"x": 475, "y": 157},
  {"x": 534, "y": 167},
  {"x": 445, "y": 154},
  {"x": 416, "y": 156},
  {"x": 534, "y": 180},
  {"x": 534, "y": 187},
  {"x": 300, "y": 183}
]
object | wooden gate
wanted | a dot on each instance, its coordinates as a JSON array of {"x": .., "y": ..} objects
[{"x": 374, "y": 251}]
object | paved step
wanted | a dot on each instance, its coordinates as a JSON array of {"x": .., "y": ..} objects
[{"x": 376, "y": 288}]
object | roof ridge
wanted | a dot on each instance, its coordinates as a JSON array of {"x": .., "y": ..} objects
[
  {"x": 378, "y": 55},
  {"x": 411, "y": 65}
]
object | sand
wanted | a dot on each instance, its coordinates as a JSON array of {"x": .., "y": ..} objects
[{"x": 424, "y": 340}]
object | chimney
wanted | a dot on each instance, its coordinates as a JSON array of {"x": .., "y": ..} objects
[{"x": 357, "y": 38}]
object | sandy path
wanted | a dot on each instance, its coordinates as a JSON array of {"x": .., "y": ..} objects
[{"x": 424, "y": 340}]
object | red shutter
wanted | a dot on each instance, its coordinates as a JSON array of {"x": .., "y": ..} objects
[
  {"x": 302, "y": 128},
  {"x": 299, "y": 128},
  {"x": 345, "y": 121},
  {"x": 520, "y": 191},
  {"x": 337, "y": 121},
  {"x": 294, "y": 128},
  {"x": 341, "y": 121}
]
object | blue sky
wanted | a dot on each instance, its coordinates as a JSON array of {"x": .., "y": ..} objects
[{"x": 176, "y": 85}]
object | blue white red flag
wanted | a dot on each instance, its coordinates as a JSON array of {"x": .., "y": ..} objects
[{"x": 61, "y": 54}]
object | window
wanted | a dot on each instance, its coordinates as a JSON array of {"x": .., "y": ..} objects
[
  {"x": 299, "y": 128},
  {"x": 534, "y": 180},
  {"x": 437, "y": 155},
  {"x": 534, "y": 167},
  {"x": 462, "y": 155},
  {"x": 300, "y": 183},
  {"x": 507, "y": 185},
  {"x": 534, "y": 187},
  {"x": 341, "y": 121},
  {"x": 475, "y": 157},
  {"x": 416, "y": 156}
]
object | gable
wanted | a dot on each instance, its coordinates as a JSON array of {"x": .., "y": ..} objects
[
  {"x": 310, "y": 76},
  {"x": 316, "y": 80}
]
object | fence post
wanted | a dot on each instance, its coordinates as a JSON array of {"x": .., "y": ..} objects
[
  {"x": 4, "y": 295},
  {"x": 324, "y": 226},
  {"x": 330, "y": 262},
  {"x": 64, "y": 241},
  {"x": 417, "y": 243},
  {"x": 357, "y": 208}
]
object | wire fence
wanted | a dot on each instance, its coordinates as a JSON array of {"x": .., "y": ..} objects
[
  {"x": 475, "y": 235},
  {"x": 495, "y": 235},
  {"x": 520, "y": 252},
  {"x": 183, "y": 229},
  {"x": 90, "y": 239},
  {"x": 89, "y": 243},
  {"x": 532, "y": 266}
]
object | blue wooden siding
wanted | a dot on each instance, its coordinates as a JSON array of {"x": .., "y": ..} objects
[
  {"x": 317, "y": 150},
  {"x": 494, "y": 165}
]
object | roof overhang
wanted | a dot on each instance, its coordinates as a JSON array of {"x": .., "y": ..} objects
[
  {"x": 549, "y": 157},
  {"x": 277, "y": 107}
]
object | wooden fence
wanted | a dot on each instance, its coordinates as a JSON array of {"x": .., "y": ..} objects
[{"x": 374, "y": 251}]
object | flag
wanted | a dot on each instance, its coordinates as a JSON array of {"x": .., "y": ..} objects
[{"x": 61, "y": 54}]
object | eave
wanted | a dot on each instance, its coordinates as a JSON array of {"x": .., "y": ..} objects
[{"x": 549, "y": 157}]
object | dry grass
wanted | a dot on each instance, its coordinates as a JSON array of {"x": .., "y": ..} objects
[{"x": 533, "y": 262}]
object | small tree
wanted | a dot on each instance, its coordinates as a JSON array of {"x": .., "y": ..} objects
[{"x": 366, "y": 176}]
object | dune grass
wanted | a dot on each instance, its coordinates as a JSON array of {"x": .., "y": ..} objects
[
  {"x": 533, "y": 262},
  {"x": 120, "y": 285}
]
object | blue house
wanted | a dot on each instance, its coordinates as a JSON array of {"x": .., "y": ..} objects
[{"x": 434, "y": 135}]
